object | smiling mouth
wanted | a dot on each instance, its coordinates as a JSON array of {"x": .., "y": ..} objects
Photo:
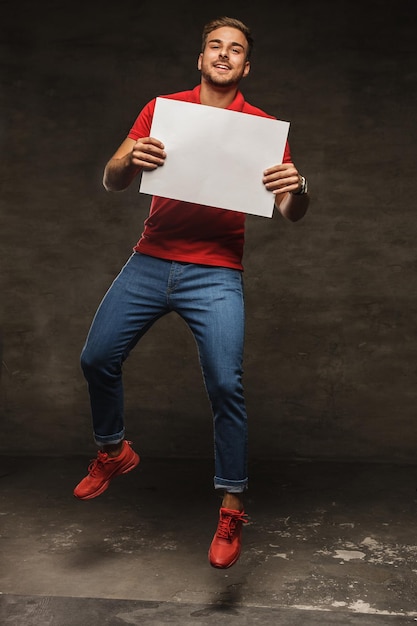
[{"x": 221, "y": 66}]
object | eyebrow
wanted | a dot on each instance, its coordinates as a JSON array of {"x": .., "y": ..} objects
[{"x": 234, "y": 43}]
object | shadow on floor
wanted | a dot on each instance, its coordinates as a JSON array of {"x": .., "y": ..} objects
[{"x": 327, "y": 543}]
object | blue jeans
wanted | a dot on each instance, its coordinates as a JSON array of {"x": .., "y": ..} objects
[{"x": 210, "y": 300}]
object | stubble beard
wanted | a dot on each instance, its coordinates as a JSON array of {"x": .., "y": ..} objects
[{"x": 218, "y": 81}]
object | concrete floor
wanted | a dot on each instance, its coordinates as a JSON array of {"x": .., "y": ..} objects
[{"x": 326, "y": 544}]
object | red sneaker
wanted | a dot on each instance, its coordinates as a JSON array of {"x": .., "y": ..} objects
[
  {"x": 227, "y": 542},
  {"x": 103, "y": 469}
]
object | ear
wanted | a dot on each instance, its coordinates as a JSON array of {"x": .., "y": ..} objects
[
  {"x": 200, "y": 57},
  {"x": 246, "y": 69}
]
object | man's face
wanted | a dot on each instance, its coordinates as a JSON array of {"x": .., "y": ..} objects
[{"x": 223, "y": 61}]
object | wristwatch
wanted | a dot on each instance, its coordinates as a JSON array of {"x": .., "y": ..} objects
[{"x": 303, "y": 189}]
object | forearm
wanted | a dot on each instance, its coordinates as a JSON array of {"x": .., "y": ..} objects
[
  {"x": 292, "y": 206},
  {"x": 119, "y": 173}
]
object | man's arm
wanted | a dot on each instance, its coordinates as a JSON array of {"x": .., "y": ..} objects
[
  {"x": 130, "y": 159},
  {"x": 285, "y": 183}
]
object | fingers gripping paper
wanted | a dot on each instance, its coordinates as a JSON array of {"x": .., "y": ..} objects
[{"x": 215, "y": 157}]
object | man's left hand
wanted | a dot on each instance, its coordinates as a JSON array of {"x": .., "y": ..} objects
[{"x": 282, "y": 178}]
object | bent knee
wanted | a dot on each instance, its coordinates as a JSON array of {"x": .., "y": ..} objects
[{"x": 94, "y": 360}]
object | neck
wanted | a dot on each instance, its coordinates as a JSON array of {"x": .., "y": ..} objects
[{"x": 214, "y": 96}]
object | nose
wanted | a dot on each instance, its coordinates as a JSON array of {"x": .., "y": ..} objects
[{"x": 223, "y": 53}]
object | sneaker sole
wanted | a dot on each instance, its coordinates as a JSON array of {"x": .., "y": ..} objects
[{"x": 224, "y": 566}]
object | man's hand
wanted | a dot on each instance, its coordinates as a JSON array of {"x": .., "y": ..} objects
[
  {"x": 282, "y": 178},
  {"x": 284, "y": 181},
  {"x": 130, "y": 159},
  {"x": 148, "y": 153}
]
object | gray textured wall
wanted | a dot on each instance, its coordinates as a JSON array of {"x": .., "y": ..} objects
[{"x": 331, "y": 343}]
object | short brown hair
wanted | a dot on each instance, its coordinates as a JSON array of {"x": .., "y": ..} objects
[{"x": 231, "y": 23}]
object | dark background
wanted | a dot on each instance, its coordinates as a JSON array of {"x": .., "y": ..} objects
[{"x": 330, "y": 367}]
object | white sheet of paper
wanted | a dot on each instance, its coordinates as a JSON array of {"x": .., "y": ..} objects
[{"x": 215, "y": 157}]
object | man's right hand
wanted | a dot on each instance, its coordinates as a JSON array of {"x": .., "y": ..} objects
[
  {"x": 148, "y": 153},
  {"x": 130, "y": 159}
]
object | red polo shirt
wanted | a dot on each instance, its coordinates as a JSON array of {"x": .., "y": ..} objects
[{"x": 194, "y": 233}]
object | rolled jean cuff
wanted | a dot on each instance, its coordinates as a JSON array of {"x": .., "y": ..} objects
[
  {"x": 109, "y": 439},
  {"x": 231, "y": 486}
]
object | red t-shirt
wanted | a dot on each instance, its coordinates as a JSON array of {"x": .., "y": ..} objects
[{"x": 194, "y": 233}]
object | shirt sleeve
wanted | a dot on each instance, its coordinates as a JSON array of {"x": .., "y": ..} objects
[{"x": 142, "y": 125}]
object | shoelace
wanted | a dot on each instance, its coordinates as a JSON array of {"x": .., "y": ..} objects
[
  {"x": 96, "y": 464},
  {"x": 227, "y": 524}
]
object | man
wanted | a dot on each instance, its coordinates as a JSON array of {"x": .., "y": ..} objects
[{"x": 188, "y": 260}]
